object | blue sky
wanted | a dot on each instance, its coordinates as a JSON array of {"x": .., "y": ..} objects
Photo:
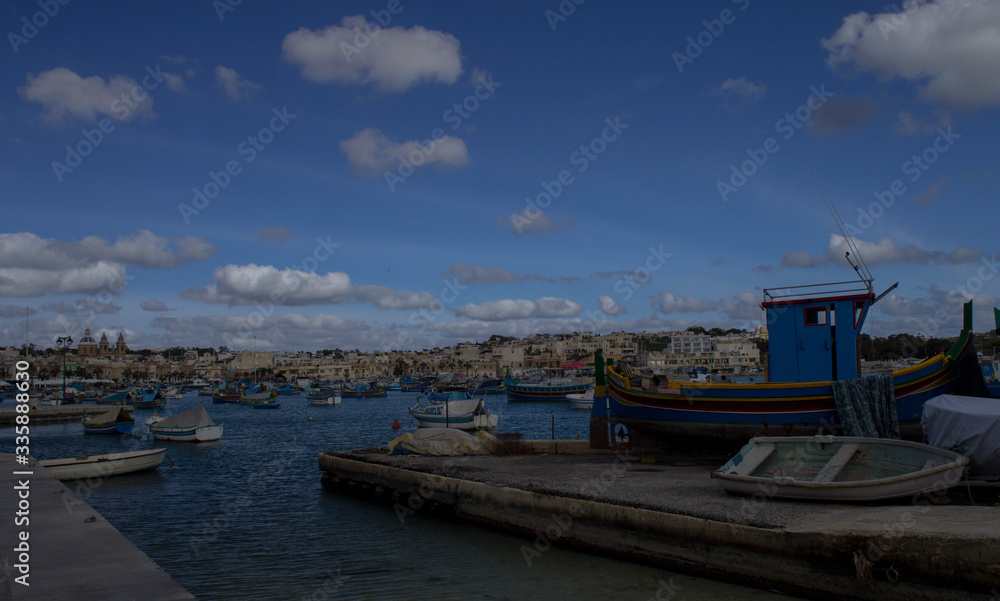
[{"x": 384, "y": 175}]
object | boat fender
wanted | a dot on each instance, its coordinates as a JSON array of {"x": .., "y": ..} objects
[{"x": 395, "y": 424}]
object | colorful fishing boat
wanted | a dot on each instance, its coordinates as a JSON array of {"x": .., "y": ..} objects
[
  {"x": 117, "y": 420},
  {"x": 226, "y": 393},
  {"x": 116, "y": 398},
  {"x": 267, "y": 404},
  {"x": 362, "y": 391},
  {"x": 491, "y": 386},
  {"x": 545, "y": 389},
  {"x": 812, "y": 339},
  {"x": 150, "y": 400}
]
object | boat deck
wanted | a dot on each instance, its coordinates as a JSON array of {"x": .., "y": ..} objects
[
  {"x": 671, "y": 513},
  {"x": 74, "y": 553}
]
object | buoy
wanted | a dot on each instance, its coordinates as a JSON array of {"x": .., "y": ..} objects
[
  {"x": 395, "y": 424},
  {"x": 310, "y": 419}
]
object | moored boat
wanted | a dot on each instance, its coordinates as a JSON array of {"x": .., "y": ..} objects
[
  {"x": 581, "y": 401},
  {"x": 117, "y": 420},
  {"x": 812, "y": 340},
  {"x": 551, "y": 389},
  {"x": 150, "y": 400},
  {"x": 839, "y": 468},
  {"x": 103, "y": 466},
  {"x": 193, "y": 425},
  {"x": 362, "y": 391},
  {"x": 462, "y": 413}
]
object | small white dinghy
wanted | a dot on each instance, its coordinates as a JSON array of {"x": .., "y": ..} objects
[
  {"x": 581, "y": 401},
  {"x": 839, "y": 468},
  {"x": 104, "y": 466}
]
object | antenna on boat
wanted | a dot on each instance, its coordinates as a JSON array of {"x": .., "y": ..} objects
[{"x": 861, "y": 268}]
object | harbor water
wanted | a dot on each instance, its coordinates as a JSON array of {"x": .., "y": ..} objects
[{"x": 246, "y": 518}]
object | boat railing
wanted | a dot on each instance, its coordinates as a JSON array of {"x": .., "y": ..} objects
[{"x": 811, "y": 290}]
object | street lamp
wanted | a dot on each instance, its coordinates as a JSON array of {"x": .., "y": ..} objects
[{"x": 63, "y": 342}]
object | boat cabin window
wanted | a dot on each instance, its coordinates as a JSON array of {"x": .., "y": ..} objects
[
  {"x": 859, "y": 310},
  {"x": 815, "y": 316}
]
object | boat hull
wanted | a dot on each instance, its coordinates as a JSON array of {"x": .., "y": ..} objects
[
  {"x": 829, "y": 468},
  {"x": 733, "y": 413},
  {"x": 527, "y": 392},
  {"x": 104, "y": 466},
  {"x": 202, "y": 434}
]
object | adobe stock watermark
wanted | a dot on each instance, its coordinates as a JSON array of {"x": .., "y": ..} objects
[
  {"x": 888, "y": 23},
  {"x": 247, "y": 148},
  {"x": 703, "y": 39},
  {"x": 582, "y": 158},
  {"x": 122, "y": 108},
  {"x": 786, "y": 126},
  {"x": 628, "y": 284},
  {"x": 455, "y": 115},
  {"x": 372, "y": 30},
  {"x": 31, "y": 27},
  {"x": 565, "y": 9},
  {"x": 914, "y": 167}
]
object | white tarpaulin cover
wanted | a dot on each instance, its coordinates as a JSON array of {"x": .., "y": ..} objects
[
  {"x": 195, "y": 417},
  {"x": 967, "y": 425},
  {"x": 443, "y": 442}
]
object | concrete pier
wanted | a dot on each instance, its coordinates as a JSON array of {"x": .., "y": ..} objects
[
  {"x": 53, "y": 413},
  {"x": 670, "y": 513},
  {"x": 73, "y": 552}
]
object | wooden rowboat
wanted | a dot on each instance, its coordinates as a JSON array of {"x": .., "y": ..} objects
[
  {"x": 839, "y": 468},
  {"x": 104, "y": 466}
]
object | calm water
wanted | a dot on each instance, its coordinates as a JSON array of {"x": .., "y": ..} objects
[{"x": 246, "y": 517}]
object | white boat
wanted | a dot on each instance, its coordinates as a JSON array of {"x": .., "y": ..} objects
[
  {"x": 171, "y": 393},
  {"x": 103, "y": 466},
  {"x": 839, "y": 468},
  {"x": 581, "y": 401},
  {"x": 193, "y": 425},
  {"x": 465, "y": 414},
  {"x": 329, "y": 400}
]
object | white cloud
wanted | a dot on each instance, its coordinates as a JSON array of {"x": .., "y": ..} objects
[
  {"x": 520, "y": 309},
  {"x": 609, "y": 306},
  {"x": 477, "y": 274},
  {"x": 392, "y": 59},
  {"x": 33, "y": 266},
  {"x": 62, "y": 92},
  {"x": 665, "y": 302},
  {"x": 249, "y": 284},
  {"x": 371, "y": 153},
  {"x": 802, "y": 259},
  {"x": 886, "y": 251},
  {"x": 175, "y": 82},
  {"x": 236, "y": 87},
  {"x": 881, "y": 252},
  {"x": 948, "y": 48},
  {"x": 532, "y": 221},
  {"x": 89, "y": 279},
  {"x": 744, "y": 306},
  {"x": 909, "y": 125},
  {"x": 743, "y": 88},
  {"x": 274, "y": 235},
  {"x": 154, "y": 305}
]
